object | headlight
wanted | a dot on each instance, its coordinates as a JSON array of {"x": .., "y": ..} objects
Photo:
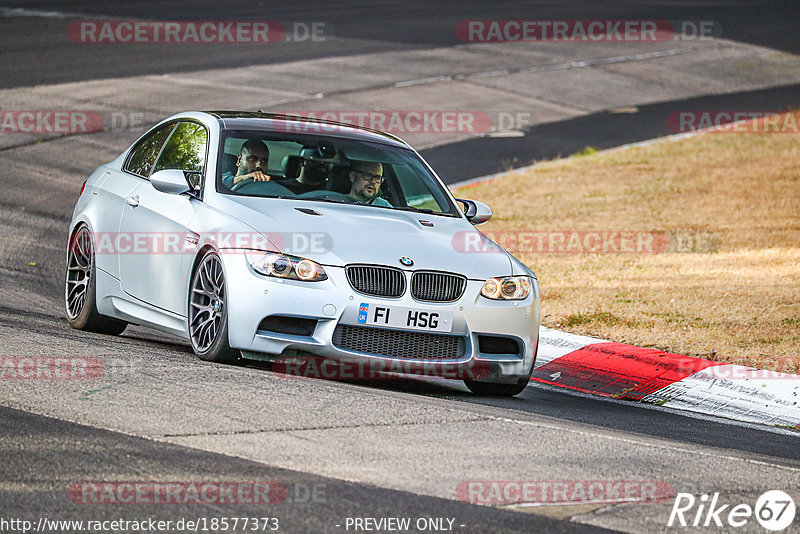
[
  {"x": 507, "y": 288},
  {"x": 285, "y": 266}
]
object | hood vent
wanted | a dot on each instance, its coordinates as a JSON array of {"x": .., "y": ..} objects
[{"x": 309, "y": 211}]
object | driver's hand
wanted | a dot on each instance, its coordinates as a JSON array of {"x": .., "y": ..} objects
[{"x": 257, "y": 176}]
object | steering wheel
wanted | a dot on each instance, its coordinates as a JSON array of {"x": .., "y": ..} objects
[{"x": 239, "y": 185}]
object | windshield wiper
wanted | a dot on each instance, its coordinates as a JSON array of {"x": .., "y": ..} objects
[
  {"x": 326, "y": 199},
  {"x": 418, "y": 210},
  {"x": 426, "y": 211}
]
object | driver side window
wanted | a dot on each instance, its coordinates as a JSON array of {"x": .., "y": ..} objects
[
  {"x": 185, "y": 149},
  {"x": 142, "y": 157}
]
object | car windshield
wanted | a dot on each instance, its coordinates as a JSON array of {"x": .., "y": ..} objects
[{"x": 328, "y": 169}]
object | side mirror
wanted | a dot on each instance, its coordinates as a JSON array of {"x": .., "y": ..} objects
[
  {"x": 476, "y": 211},
  {"x": 172, "y": 181}
]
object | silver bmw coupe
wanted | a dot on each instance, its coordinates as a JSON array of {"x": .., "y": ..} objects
[{"x": 275, "y": 238}]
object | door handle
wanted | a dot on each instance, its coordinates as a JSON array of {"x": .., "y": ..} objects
[{"x": 132, "y": 201}]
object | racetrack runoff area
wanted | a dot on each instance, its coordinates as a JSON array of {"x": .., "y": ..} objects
[
  {"x": 686, "y": 245},
  {"x": 671, "y": 245}
]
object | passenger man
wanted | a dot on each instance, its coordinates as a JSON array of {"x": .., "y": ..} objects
[
  {"x": 366, "y": 178},
  {"x": 312, "y": 176}
]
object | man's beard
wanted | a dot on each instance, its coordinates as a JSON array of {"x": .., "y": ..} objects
[{"x": 243, "y": 170}]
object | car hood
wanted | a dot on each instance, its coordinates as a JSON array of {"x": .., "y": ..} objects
[{"x": 341, "y": 234}]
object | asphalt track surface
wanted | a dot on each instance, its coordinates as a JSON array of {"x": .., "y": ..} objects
[
  {"x": 36, "y": 51},
  {"x": 312, "y": 503},
  {"x": 42, "y": 456}
]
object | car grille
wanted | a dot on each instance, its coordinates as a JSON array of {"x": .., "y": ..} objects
[
  {"x": 377, "y": 281},
  {"x": 399, "y": 343},
  {"x": 437, "y": 287}
]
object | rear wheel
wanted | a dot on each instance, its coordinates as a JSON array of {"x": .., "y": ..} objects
[
  {"x": 208, "y": 312},
  {"x": 80, "y": 288}
]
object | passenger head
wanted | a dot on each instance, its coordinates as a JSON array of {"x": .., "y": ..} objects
[
  {"x": 366, "y": 178},
  {"x": 313, "y": 172},
  {"x": 254, "y": 156}
]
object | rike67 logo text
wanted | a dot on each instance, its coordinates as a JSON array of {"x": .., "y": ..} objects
[{"x": 774, "y": 510}]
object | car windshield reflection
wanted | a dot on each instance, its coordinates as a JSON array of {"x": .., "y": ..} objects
[{"x": 322, "y": 169}]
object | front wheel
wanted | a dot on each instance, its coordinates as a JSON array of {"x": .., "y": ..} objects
[
  {"x": 498, "y": 390},
  {"x": 208, "y": 312},
  {"x": 80, "y": 288}
]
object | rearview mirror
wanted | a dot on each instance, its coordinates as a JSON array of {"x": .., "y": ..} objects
[
  {"x": 172, "y": 181},
  {"x": 475, "y": 211}
]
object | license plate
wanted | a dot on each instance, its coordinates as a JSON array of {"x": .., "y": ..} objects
[{"x": 405, "y": 318}]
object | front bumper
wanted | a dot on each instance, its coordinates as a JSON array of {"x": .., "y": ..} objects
[{"x": 334, "y": 303}]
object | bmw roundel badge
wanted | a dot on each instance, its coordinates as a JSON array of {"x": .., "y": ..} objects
[{"x": 408, "y": 262}]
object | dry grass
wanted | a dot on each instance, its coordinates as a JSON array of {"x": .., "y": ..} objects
[{"x": 739, "y": 302}]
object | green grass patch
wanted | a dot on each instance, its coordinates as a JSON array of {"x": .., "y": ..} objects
[
  {"x": 597, "y": 317},
  {"x": 586, "y": 151}
]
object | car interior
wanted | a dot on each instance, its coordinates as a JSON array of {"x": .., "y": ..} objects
[{"x": 338, "y": 180}]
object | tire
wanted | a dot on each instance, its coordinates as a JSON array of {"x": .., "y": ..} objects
[
  {"x": 498, "y": 390},
  {"x": 80, "y": 288},
  {"x": 208, "y": 312}
]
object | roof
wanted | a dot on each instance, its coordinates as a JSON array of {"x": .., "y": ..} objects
[{"x": 257, "y": 120}]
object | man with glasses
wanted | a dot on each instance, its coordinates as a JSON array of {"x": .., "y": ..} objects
[{"x": 366, "y": 178}]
